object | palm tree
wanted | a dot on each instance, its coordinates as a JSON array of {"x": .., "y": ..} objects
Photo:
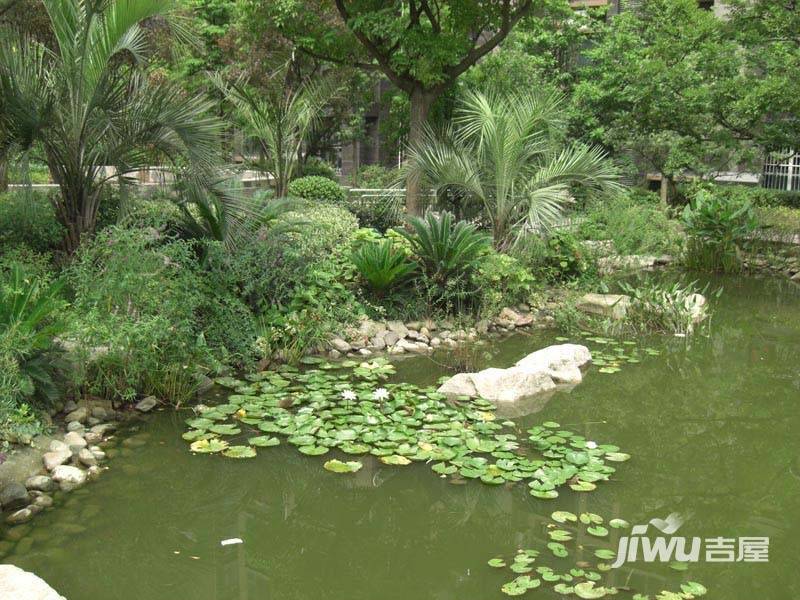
[
  {"x": 86, "y": 104},
  {"x": 508, "y": 153},
  {"x": 278, "y": 122}
]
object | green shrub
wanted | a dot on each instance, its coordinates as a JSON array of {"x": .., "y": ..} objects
[
  {"x": 27, "y": 218},
  {"x": 716, "y": 227},
  {"x": 317, "y": 189},
  {"x": 375, "y": 177},
  {"x": 381, "y": 212},
  {"x": 30, "y": 317},
  {"x": 318, "y": 167},
  {"x": 382, "y": 266},
  {"x": 558, "y": 257},
  {"x": 501, "y": 281},
  {"x": 778, "y": 221},
  {"x": 136, "y": 301},
  {"x": 658, "y": 307},
  {"x": 636, "y": 222}
]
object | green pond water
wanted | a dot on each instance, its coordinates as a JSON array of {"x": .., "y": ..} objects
[{"x": 712, "y": 426}]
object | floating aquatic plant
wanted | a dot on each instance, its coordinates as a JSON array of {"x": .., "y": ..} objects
[
  {"x": 583, "y": 580},
  {"x": 343, "y": 407}
]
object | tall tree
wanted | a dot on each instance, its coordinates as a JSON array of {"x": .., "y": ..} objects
[
  {"x": 421, "y": 46},
  {"x": 86, "y": 104}
]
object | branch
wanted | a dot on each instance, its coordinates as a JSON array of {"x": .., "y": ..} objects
[
  {"x": 338, "y": 61},
  {"x": 382, "y": 57},
  {"x": 474, "y": 55}
]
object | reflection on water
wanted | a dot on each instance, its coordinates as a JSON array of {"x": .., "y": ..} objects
[{"x": 711, "y": 424}]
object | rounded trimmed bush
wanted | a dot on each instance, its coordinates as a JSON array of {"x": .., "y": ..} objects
[{"x": 317, "y": 188}]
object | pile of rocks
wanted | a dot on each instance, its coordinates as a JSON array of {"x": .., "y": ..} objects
[
  {"x": 778, "y": 263},
  {"x": 69, "y": 460},
  {"x": 421, "y": 337}
]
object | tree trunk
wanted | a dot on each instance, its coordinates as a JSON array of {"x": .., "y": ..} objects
[
  {"x": 3, "y": 174},
  {"x": 421, "y": 101}
]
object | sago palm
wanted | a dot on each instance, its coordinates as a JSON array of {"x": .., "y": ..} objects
[
  {"x": 278, "y": 121},
  {"x": 86, "y": 104},
  {"x": 508, "y": 153}
]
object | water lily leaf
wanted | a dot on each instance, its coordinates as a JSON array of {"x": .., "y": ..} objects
[
  {"x": 559, "y": 535},
  {"x": 617, "y": 456},
  {"x": 544, "y": 494},
  {"x": 587, "y": 590},
  {"x": 693, "y": 588},
  {"x": 558, "y": 549},
  {"x": 619, "y": 523},
  {"x": 263, "y": 441},
  {"x": 395, "y": 459},
  {"x": 312, "y": 450},
  {"x": 563, "y": 588},
  {"x": 562, "y": 516},
  {"x": 200, "y": 423},
  {"x": 521, "y": 568},
  {"x": 678, "y": 566},
  {"x": 225, "y": 429},
  {"x": 337, "y": 466},
  {"x": 195, "y": 434},
  {"x": 497, "y": 563},
  {"x": 239, "y": 452},
  {"x": 551, "y": 425},
  {"x": 597, "y": 531},
  {"x": 208, "y": 446},
  {"x": 583, "y": 486},
  {"x": 605, "y": 554}
]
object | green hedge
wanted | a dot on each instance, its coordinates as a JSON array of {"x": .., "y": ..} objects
[{"x": 319, "y": 189}]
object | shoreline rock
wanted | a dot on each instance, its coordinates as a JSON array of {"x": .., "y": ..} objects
[
  {"x": 541, "y": 371},
  {"x": 22, "y": 585}
]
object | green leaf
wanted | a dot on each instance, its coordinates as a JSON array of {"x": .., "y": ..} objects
[
  {"x": 604, "y": 554},
  {"x": 562, "y": 516},
  {"x": 597, "y": 531},
  {"x": 497, "y": 563},
  {"x": 337, "y": 466},
  {"x": 395, "y": 459},
  {"x": 312, "y": 450},
  {"x": 693, "y": 588},
  {"x": 263, "y": 441},
  {"x": 208, "y": 446},
  {"x": 239, "y": 452}
]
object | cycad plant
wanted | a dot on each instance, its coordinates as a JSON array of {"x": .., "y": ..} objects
[
  {"x": 28, "y": 322},
  {"x": 382, "y": 265},
  {"x": 508, "y": 153},
  {"x": 86, "y": 104},
  {"x": 279, "y": 122},
  {"x": 446, "y": 249}
]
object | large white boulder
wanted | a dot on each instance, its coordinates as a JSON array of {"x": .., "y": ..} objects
[
  {"x": 17, "y": 584},
  {"x": 541, "y": 371}
]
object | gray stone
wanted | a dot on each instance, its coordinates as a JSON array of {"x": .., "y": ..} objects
[
  {"x": 40, "y": 483},
  {"x": 97, "y": 453},
  {"x": 391, "y": 338},
  {"x": 334, "y": 354},
  {"x": 365, "y": 352},
  {"x": 104, "y": 428},
  {"x": 23, "y": 515},
  {"x": 510, "y": 385},
  {"x": 518, "y": 319},
  {"x": 70, "y": 406},
  {"x": 98, "y": 412},
  {"x": 146, "y": 404},
  {"x": 58, "y": 446},
  {"x": 54, "y": 459},
  {"x": 87, "y": 458},
  {"x": 13, "y": 495},
  {"x": 92, "y": 438},
  {"x": 69, "y": 477},
  {"x": 414, "y": 325},
  {"x": 436, "y": 342},
  {"x": 16, "y": 584},
  {"x": 414, "y": 347},
  {"x": 397, "y": 327},
  {"x": 378, "y": 343},
  {"x": 43, "y": 501},
  {"x": 696, "y": 305},
  {"x": 413, "y": 334},
  {"x": 340, "y": 345},
  {"x": 458, "y": 385},
  {"x": 614, "y": 306},
  {"x": 80, "y": 414},
  {"x": 74, "y": 440},
  {"x": 75, "y": 426},
  {"x": 93, "y": 472}
]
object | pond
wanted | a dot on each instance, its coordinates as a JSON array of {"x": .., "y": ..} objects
[{"x": 711, "y": 424}]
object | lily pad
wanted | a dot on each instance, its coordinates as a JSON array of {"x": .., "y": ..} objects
[
  {"x": 208, "y": 446},
  {"x": 395, "y": 459},
  {"x": 239, "y": 452},
  {"x": 263, "y": 441},
  {"x": 563, "y": 516},
  {"x": 337, "y": 466},
  {"x": 497, "y": 563}
]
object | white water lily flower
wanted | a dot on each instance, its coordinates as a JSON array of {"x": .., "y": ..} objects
[
  {"x": 380, "y": 394},
  {"x": 591, "y": 445},
  {"x": 349, "y": 395}
]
